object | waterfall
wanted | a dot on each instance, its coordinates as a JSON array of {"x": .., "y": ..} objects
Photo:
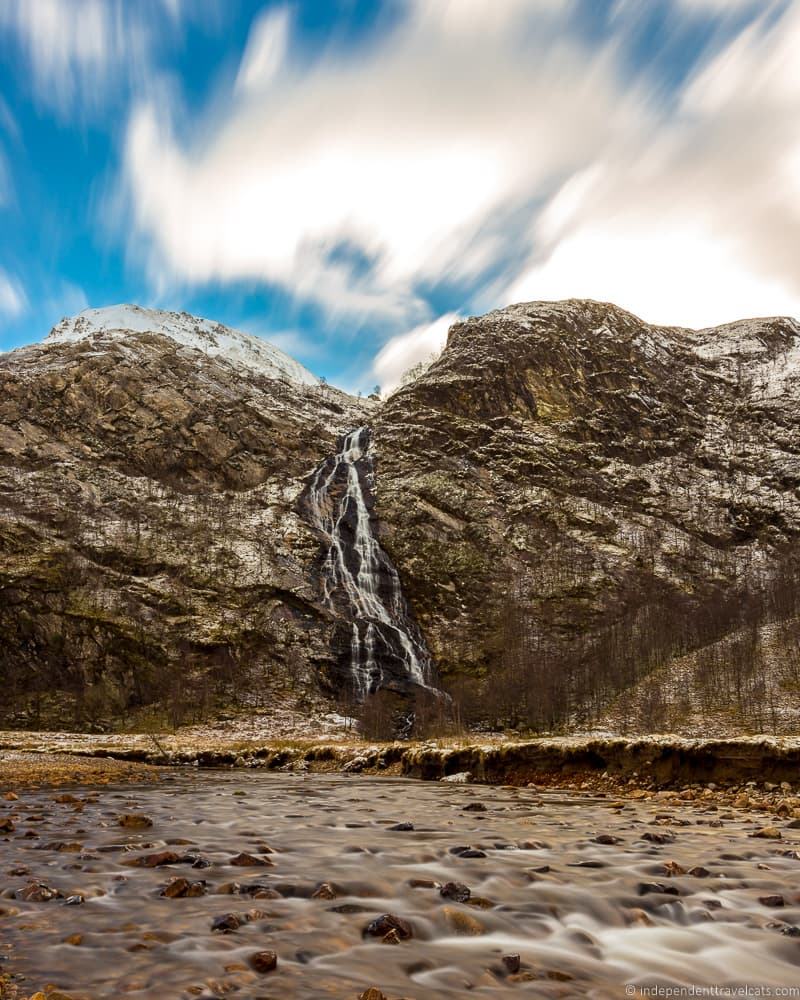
[{"x": 358, "y": 578}]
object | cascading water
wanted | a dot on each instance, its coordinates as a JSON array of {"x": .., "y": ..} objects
[{"x": 358, "y": 579}]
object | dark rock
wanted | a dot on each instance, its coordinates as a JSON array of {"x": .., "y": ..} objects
[
  {"x": 648, "y": 887},
  {"x": 456, "y": 891},
  {"x": 324, "y": 891},
  {"x": 228, "y": 922},
  {"x": 244, "y": 860},
  {"x": 512, "y": 963},
  {"x": 179, "y": 888},
  {"x": 157, "y": 860},
  {"x": 37, "y": 892},
  {"x": 134, "y": 821},
  {"x": 263, "y": 961},
  {"x": 475, "y": 807},
  {"x": 658, "y": 838},
  {"x": 380, "y": 927},
  {"x": 773, "y": 900},
  {"x": 402, "y": 827}
]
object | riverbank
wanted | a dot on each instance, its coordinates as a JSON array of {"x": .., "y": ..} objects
[{"x": 765, "y": 769}]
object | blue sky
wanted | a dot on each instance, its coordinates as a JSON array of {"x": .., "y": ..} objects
[{"x": 346, "y": 178}]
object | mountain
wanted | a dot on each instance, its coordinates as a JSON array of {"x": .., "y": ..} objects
[
  {"x": 150, "y": 552},
  {"x": 564, "y": 504},
  {"x": 574, "y": 498}
]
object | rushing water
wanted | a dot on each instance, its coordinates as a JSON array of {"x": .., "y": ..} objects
[
  {"x": 359, "y": 578},
  {"x": 573, "y": 909}
]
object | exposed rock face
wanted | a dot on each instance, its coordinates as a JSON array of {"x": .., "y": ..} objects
[
  {"x": 566, "y": 471},
  {"x": 567, "y": 493},
  {"x": 148, "y": 537}
]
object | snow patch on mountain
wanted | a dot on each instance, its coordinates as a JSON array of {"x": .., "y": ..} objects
[{"x": 213, "y": 339}]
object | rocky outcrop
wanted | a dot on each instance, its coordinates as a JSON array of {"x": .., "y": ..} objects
[
  {"x": 150, "y": 552},
  {"x": 571, "y": 499},
  {"x": 573, "y": 495}
]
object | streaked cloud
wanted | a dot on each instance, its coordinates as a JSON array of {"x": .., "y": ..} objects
[
  {"x": 405, "y": 350},
  {"x": 354, "y": 179},
  {"x": 13, "y": 300},
  {"x": 81, "y": 53}
]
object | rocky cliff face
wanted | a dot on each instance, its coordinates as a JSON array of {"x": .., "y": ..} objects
[
  {"x": 570, "y": 496},
  {"x": 574, "y": 496},
  {"x": 150, "y": 552}
]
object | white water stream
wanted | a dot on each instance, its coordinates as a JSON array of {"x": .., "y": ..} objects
[{"x": 357, "y": 572}]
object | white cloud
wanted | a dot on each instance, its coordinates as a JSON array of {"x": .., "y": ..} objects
[
  {"x": 353, "y": 180},
  {"x": 13, "y": 300},
  {"x": 81, "y": 52},
  {"x": 266, "y": 50},
  {"x": 493, "y": 147},
  {"x": 408, "y": 349},
  {"x": 699, "y": 222}
]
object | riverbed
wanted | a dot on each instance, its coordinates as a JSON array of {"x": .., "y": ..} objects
[{"x": 421, "y": 890}]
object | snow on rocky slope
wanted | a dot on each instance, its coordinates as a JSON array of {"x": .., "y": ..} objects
[{"x": 213, "y": 339}]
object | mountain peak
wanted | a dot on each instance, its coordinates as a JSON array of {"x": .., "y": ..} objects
[{"x": 204, "y": 335}]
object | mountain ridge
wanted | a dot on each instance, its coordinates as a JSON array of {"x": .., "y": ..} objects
[{"x": 571, "y": 498}]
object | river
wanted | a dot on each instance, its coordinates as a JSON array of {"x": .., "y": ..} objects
[{"x": 586, "y": 918}]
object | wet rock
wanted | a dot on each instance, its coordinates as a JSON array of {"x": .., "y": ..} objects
[
  {"x": 673, "y": 868},
  {"x": 481, "y": 902},
  {"x": 75, "y": 900},
  {"x": 421, "y": 883},
  {"x": 774, "y": 900},
  {"x": 324, "y": 891},
  {"x": 461, "y": 922},
  {"x": 372, "y": 993},
  {"x": 263, "y": 961},
  {"x": 66, "y": 799},
  {"x": 512, "y": 963},
  {"x": 456, "y": 891},
  {"x": 228, "y": 922},
  {"x": 635, "y": 915},
  {"x": 767, "y": 833},
  {"x": 645, "y": 888},
  {"x": 37, "y": 892},
  {"x": 698, "y": 871},
  {"x": 402, "y": 827},
  {"x": 380, "y": 927},
  {"x": 477, "y": 807},
  {"x": 472, "y": 852},
  {"x": 244, "y": 860},
  {"x": 157, "y": 860},
  {"x": 179, "y": 888},
  {"x": 391, "y": 938},
  {"x": 10, "y": 796},
  {"x": 462, "y": 778},
  {"x": 658, "y": 838},
  {"x": 6, "y": 825},
  {"x": 606, "y": 838},
  {"x": 134, "y": 821},
  {"x": 74, "y": 939}
]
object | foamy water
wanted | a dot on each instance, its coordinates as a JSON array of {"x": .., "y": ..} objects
[{"x": 583, "y": 928}]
